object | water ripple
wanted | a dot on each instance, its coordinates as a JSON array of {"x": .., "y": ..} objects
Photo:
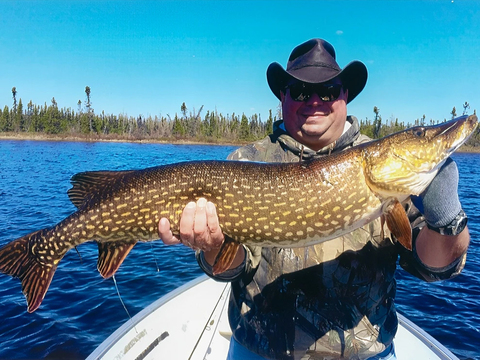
[{"x": 81, "y": 308}]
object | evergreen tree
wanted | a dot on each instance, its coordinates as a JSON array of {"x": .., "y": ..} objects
[
  {"x": 254, "y": 126},
  {"x": 466, "y": 106},
  {"x": 269, "y": 125},
  {"x": 422, "y": 120},
  {"x": 213, "y": 124},
  {"x": 178, "y": 128},
  {"x": 366, "y": 128},
  {"x": 5, "y": 120},
  {"x": 184, "y": 109},
  {"x": 34, "y": 118},
  {"x": 234, "y": 124},
  {"x": 88, "y": 105},
  {"x": 454, "y": 113},
  {"x": 48, "y": 119},
  {"x": 377, "y": 123},
  {"x": 14, "y": 95},
  {"x": 244, "y": 128},
  {"x": 19, "y": 118}
]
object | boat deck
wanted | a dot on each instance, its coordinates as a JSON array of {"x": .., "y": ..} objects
[{"x": 191, "y": 322}]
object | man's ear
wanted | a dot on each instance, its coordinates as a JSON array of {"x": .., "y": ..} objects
[{"x": 282, "y": 95}]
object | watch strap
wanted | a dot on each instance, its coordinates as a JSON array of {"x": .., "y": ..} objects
[{"x": 455, "y": 227}]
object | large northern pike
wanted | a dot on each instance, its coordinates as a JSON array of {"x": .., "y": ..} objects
[{"x": 278, "y": 205}]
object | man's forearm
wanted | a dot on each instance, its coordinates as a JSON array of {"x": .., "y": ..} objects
[{"x": 437, "y": 251}]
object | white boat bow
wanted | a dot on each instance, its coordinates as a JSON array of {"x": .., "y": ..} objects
[{"x": 191, "y": 323}]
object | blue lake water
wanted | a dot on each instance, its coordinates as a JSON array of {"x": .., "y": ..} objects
[{"x": 81, "y": 309}]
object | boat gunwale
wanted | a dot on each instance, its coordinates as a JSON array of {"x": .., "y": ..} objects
[
  {"x": 437, "y": 347},
  {"x": 111, "y": 340},
  {"x": 425, "y": 338}
]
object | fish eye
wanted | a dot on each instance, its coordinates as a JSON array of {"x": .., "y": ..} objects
[{"x": 419, "y": 132}]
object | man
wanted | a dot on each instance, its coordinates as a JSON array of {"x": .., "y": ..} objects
[{"x": 334, "y": 299}]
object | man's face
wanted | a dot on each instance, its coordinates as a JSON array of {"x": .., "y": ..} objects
[{"x": 314, "y": 122}]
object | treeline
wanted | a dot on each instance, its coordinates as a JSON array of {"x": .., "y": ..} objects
[
  {"x": 51, "y": 119},
  {"x": 378, "y": 128},
  {"x": 188, "y": 125}
]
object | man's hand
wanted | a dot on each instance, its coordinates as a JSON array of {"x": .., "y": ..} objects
[
  {"x": 199, "y": 227},
  {"x": 439, "y": 204}
]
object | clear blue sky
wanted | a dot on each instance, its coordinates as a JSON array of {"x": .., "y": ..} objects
[{"x": 148, "y": 57}]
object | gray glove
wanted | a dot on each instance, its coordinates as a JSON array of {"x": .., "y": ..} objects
[{"x": 439, "y": 202}]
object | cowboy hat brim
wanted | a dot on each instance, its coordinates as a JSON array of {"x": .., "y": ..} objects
[{"x": 353, "y": 76}]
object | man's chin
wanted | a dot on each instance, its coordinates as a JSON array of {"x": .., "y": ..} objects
[{"x": 313, "y": 132}]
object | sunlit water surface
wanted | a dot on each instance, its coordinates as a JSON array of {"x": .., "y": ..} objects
[{"x": 81, "y": 309}]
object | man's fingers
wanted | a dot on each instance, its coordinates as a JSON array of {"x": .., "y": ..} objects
[
  {"x": 165, "y": 233},
  {"x": 200, "y": 229},
  {"x": 200, "y": 225},
  {"x": 216, "y": 233},
  {"x": 187, "y": 221}
]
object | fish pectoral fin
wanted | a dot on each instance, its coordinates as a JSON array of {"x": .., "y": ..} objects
[
  {"x": 225, "y": 256},
  {"x": 398, "y": 223},
  {"x": 111, "y": 255},
  {"x": 18, "y": 260}
]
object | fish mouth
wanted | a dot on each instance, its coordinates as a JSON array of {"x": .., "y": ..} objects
[
  {"x": 410, "y": 165},
  {"x": 468, "y": 124},
  {"x": 449, "y": 135}
]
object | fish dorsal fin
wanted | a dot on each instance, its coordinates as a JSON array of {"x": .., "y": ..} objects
[
  {"x": 87, "y": 184},
  {"x": 111, "y": 256}
]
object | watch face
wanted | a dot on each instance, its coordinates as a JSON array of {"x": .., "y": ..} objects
[
  {"x": 455, "y": 227},
  {"x": 461, "y": 225}
]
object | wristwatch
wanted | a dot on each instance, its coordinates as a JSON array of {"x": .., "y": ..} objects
[{"x": 455, "y": 227}]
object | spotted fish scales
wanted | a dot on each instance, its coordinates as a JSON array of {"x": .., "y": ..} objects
[{"x": 278, "y": 205}]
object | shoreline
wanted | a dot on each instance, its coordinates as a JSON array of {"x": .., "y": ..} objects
[
  {"x": 119, "y": 139},
  {"x": 116, "y": 139}
]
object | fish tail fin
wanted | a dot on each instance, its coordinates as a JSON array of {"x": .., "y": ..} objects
[{"x": 18, "y": 260}]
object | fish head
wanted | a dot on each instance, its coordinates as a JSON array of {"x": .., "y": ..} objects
[{"x": 405, "y": 163}]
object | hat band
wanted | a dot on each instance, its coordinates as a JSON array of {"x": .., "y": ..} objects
[{"x": 323, "y": 65}]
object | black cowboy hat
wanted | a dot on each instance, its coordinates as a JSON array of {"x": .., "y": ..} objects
[{"x": 314, "y": 62}]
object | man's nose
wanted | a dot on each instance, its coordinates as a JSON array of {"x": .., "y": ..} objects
[{"x": 314, "y": 100}]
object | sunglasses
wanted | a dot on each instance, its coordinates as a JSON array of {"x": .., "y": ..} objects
[{"x": 301, "y": 91}]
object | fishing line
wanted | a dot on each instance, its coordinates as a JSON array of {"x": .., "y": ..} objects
[
  {"x": 123, "y": 304},
  {"x": 80, "y": 256},
  {"x": 154, "y": 257}
]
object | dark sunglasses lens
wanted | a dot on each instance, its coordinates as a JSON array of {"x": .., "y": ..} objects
[
  {"x": 303, "y": 92},
  {"x": 299, "y": 92},
  {"x": 329, "y": 92}
]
